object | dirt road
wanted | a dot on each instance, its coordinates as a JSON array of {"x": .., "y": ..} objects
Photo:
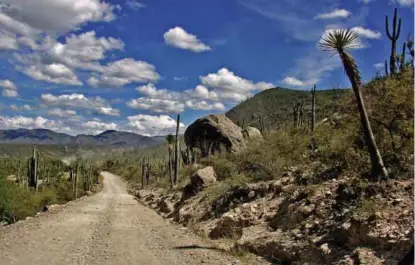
[{"x": 107, "y": 228}]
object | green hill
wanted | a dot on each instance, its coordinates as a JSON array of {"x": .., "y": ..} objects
[{"x": 275, "y": 106}]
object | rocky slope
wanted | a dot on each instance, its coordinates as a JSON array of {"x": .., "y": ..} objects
[{"x": 299, "y": 218}]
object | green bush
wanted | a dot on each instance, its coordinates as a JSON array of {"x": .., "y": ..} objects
[{"x": 16, "y": 203}]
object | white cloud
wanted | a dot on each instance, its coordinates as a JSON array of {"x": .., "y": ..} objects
[
  {"x": 202, "y": 92},
  {"x": 97, "y": 104},
  {"x": 156, "y": 105},
  {"x": 152, "y": 125},
  {"x": 25, "y": 107},
  {"x": 108, "y": 111},
  {"x": 124, "y": 71},
  {"x": 229, "y": 86},
  {"x": 81, "y": 50},
  {"x": 379, "y": 65},
  {"x": 166, "y": 101},
  {"x": 8, "y": 41},
  {"x": 58, "y": 112},
  {"x": 135, "y": 5},
  {"x": 7, "y": 84},
  {"x": 53, "y": 59},
  {"x": 292, "y": 81},
  {"x": 336, "y": 13},
  {"x": 367, "y": 33},
  {"x": 27, "y": 17},
  {"x": 203, "y": 105},
  {"x": 179, "y": 38},
  {"x": 54, "y": 73},
  {"x": 151, "y": 91},
  {"x": 97, "y": 127},
  {"x": 407, "y": 3},
  {"x": 27, "y": 122},
  {"x": 9, "y": 88},
  {"x": 14, "y": 107}
]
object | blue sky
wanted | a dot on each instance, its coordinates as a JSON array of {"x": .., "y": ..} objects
[{"x": 86, "y": 66}]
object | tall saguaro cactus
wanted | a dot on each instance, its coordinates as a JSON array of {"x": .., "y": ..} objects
[
  {"x": 143, "y": 171},
  {"x": 396, "y": 30},
  {"x": 313, "y": 108},
  {"x": 176, "y": 155},
  {"x": 33, "y": 169}
]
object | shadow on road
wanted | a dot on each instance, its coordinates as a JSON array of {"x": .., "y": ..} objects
[{"x": 197, "y": 247}]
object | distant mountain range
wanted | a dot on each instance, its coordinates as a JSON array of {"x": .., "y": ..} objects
[{"x": 107, "y": 138}]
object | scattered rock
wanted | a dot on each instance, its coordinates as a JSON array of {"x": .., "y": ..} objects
[
  {"x": 203, "y": 178},
  {"x": 366, "y": 256}
]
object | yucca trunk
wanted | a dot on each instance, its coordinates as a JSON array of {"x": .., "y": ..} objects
[{"x": 378, "y": 168}]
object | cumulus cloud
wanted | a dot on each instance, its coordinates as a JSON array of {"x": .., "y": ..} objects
[
  {"x": 54, "y": 73},
  {"x": 81, "y": 51},
  {"x": 149, "y": 90},
  {"x": 63, "y": 113},
  {"x": 336, "y": 13},
  {"x": 79, "y": 101},
  {"x": 8, "y": 41},
  {"x": 367, "y": 33},
  {"x": 152, "y": 125},
  {"x": 25, "y": 107},
  {"x": 229, "y": 86},
  {"x": 27, "y": 122},
  {"x": 9, "y": 88},
  {"x": 98, "y": 127},
  {"x": 29, "y": 17},
  {"x": 156, "y": 105},
  {"x": 179, "y": 38},
  {"x": 292, "y": 81},
  {"x": 203, "y": 105},
  {"x": 108, "y": 111},
  {"x": 166, "y": 101},
  {"x": 55, "y": 61},
  {"x": 124, "y": 71}
]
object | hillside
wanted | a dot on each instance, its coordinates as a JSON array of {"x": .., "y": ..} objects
[
  {"x": 275, "y": 105},
  {"x": 48, "y": 137}
]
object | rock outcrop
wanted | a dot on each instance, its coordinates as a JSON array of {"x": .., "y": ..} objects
[{"x": 214, "y": 133}]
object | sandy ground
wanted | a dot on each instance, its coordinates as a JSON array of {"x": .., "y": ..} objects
[{"x": 107, "y": 228}]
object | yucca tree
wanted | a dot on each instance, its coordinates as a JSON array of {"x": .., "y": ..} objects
[
  {"x": 170, "y": 140},
  {"x": 341, "y": 41}
]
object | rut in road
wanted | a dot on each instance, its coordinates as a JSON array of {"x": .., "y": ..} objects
[{"x": 107, "y": 228}]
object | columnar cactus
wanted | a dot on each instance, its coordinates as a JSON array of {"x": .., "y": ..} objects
[{"x": 396, "y": 30}]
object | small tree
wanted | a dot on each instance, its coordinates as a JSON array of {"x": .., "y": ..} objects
[{"x": 341, "y": 41}]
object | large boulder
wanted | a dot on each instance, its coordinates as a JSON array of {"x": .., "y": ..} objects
[
  {"x": 252, "y": 133},
  {"x": 214, "y": 133}
]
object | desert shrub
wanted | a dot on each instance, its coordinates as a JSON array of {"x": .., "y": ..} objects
[
  {"x": 224, "y": 168},
  {"x": 16, "y": 202}
]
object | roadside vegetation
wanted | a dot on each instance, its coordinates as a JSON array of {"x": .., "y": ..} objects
[{"x": 29, "y": 184}]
